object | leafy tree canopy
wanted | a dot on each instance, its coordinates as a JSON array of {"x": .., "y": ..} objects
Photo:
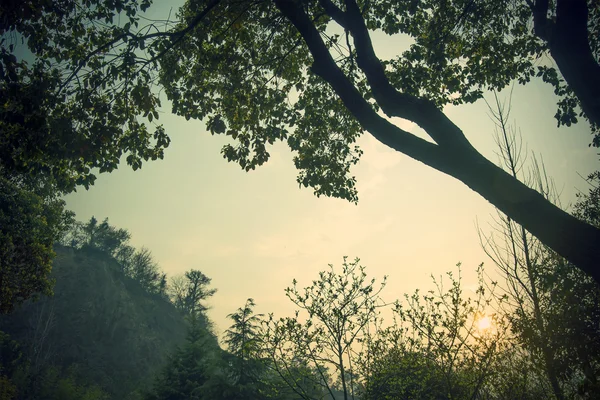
[
  {"x": 304, "y": 72},
  {"x": 67, "y": 107}
]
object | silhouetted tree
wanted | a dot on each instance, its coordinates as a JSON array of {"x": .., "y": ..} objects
[
  {"x": 553, "y": 307},
  {"x": 190, "y": 367},
  {"x": 101, "y": 236},
  {"x": 187, "y": 292},
  {"x": 145, "y": 270},
  {"x": 244, "y": 343},
  {"x": 91, "y": 86}
]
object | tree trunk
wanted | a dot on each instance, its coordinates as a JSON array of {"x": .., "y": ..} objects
[
  {"x": 573, "y": 239},
  {"x": 569, "y": 45}
]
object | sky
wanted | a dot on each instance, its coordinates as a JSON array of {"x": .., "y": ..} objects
[{"x": 254, "y": 232}]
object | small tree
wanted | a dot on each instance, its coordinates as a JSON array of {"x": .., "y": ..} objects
[
  {"x": 189, "y": 368},
  {"x": 337, "y": 309},
  {"x": 552, "y": 306},
  {"x": 244, "y": 342},
  {"x": 444, "y": 341},
  {"x": 187, "y": 292},
  {"x": 144, "y": 269}
]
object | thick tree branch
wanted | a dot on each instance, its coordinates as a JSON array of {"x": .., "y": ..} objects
[
  {"x": 335, "y": 12},
  {"x": 541, "y": 24},
  {"x": 421, "y": 111},
  {"x": 573, "y": 239},
  {"x": 326, "y": 68}
]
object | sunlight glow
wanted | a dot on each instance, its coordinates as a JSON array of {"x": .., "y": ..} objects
[{"x": 484, "y": 323}]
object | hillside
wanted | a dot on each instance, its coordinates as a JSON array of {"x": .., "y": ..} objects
[{"x": 100, "y": 325}]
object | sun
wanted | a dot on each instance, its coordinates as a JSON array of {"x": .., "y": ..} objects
[{"x": 484, "y": 323}]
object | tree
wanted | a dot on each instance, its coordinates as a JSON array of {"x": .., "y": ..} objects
[
  {"x": 114, "y": 242},
  {"x": 552, "y": 307},
  {"x": 270, "y": 71},
  {"x": 145, "y": 270},
  {"x": 337, "y": 99},
  {"x": 187, "y": 292},
  {"x": 189, "y": 368},
  {"x": 339, "y": 309},
  {"x": 244, "y": 343},
  {"x": 570, "y": 30},
  {"x": 243, "y": 339},
  {"x": 440, "y": 328},
  {"x": 101, "y": 236},
  {"x": 49, "y": 128},
  {"x": 492, "y": 43},
  {"x": 29, "y": 226}
]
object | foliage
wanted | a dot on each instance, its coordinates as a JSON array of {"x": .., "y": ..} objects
[
  {"x": 463, "y": 47},
  {"x": 137, "y": 264},
  {"x": 143, "y": 269},
  {"x": 440, "y": 326},
  {"x": 68, "y": 108},
  {"x": 29, "y": 226},
  {"x": 244, "y": 342},
  {"x": 102, "y": 236},
  {"x": 19, "y": 381},
  {"x": 301, "y": 72},
  {"x": 339, "y": 309},
  {"x": 588, "y": 205}
]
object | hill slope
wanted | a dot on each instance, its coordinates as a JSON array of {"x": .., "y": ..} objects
[{"x": 100, "y": 324}]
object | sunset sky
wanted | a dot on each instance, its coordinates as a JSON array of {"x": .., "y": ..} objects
[{"x": 252, "y": 233}]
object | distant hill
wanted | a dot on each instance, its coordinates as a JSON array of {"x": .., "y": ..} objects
[{"x": 100, "y": 324}]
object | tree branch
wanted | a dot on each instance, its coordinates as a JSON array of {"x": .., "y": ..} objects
[
  {"x": 325, "y": 67},
  {"x": 175, "y": 37},
  {"x": 573, "y": 239},
  {"x": 569, "y": 46},
  {"x": 395, "y": 104},
  {"x": 541, "y": 25}
]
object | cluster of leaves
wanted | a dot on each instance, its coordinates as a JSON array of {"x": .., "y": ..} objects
[
  {"x": 30, "y": 226},
  {"x": 261, "y": 92},
  {"x": 73, "y": 95},
  {"x": 461, "y": 47}
]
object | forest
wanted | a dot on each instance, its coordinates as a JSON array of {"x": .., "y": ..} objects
[
  {"x": 116, "y": 327},
  {"x": 85, "y": 86}
]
